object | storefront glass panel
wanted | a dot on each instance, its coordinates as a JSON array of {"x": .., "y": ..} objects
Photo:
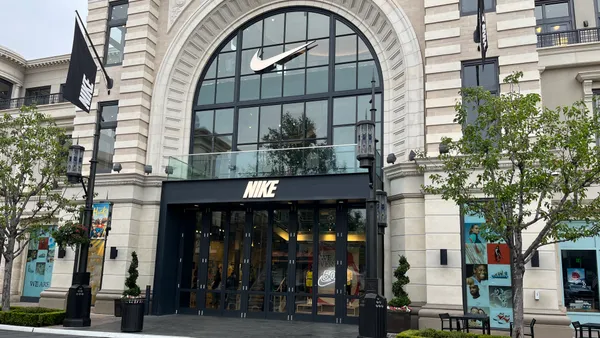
[
  {"x": 216, "y": 251},
  {"x": 356, "y": 259},
  {"x": 337, "y": 64},
  {"x": 580, "y": 280},
  {"x": 327, "y": 262}
]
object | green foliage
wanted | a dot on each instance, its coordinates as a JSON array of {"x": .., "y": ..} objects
[
  {"x": 133, "y": 290},
  {"x": 400, "y": 296},
  {"x": 431, "y": 333},
  {"x": 32, "y": 166},
  {"x": 70, "y": 234},
  {"x": 32, "y": 316},
  {"x": 520, "y": 156}
]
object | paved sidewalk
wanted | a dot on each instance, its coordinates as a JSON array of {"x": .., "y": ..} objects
[
  {"x": 206, "y": 326},
  {"x": 194, "y": 326}
]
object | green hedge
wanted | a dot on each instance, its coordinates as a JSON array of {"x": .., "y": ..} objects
[
  {"x": 431, "y": 333},
  {"x": 32, "y": 316}
]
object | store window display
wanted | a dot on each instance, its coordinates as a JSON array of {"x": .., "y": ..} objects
[{"x": 580, "y": 280}]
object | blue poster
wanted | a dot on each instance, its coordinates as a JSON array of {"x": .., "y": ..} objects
[
  {"x": 40, "y": 260},
  {"x": 487, "y": 272}
]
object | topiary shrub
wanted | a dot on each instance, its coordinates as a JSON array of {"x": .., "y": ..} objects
[
  {"x": 32, "y": 316},
  {"x": 132, "y": 289},
  {"x": 400, "y": 296}
]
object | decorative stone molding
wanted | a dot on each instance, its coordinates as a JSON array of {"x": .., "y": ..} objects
[
  {"x": 384, "y": 24},
  {"x": 176, "y": 7},
  {"x": 11, "y": 56},
  {"x": 587, "y": 80}
]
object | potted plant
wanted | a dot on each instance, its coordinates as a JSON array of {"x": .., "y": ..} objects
[
  {"x": 132, "y": 304},
  {"x": 398, "y": 314},
  {"x": 70, "y": 234}
]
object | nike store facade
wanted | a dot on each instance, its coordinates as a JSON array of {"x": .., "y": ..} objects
[
  {"x": 266, "y": 217},
  {"x": 232, "y": 126}
]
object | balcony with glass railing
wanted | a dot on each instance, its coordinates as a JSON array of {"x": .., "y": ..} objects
[
  {"x": 38, "y": 100},
  {"x": 307, "y": 161}
]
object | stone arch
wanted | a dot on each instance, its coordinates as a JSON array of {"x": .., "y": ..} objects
[{"x": 384, "y": 24}]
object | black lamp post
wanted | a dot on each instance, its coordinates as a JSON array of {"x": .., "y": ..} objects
[
  {"x": 373, "y": 307},
  {"x": 79, "y": 297}
]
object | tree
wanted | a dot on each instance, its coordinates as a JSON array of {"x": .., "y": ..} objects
[
  {"x": 523, "y": 168},
  {"x": 32, "y": 163},
  {"x": 400, "y": 296},
  {"x": 133, "y": 290},
  {"x": 310, "y": 158}
]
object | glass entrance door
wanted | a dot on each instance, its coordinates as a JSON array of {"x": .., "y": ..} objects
[
  {"x": 281, "y": 264},
  {"x": 235, "y": 238},
  {"x": 284, "y": 262}
]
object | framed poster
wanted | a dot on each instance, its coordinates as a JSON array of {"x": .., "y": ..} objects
[
  {"x": 38, "y": 268},
  {"x": 487, "y": 275}
]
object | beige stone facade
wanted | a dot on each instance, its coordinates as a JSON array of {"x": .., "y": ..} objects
[{"x": 421, "y": 46}]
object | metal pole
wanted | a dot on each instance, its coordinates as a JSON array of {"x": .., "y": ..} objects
[
  {"x": 372, "y": 315},
  {"x": 371, "y": 206},
  {"x": 79, "y": 297},
  {"x": 89, "y": 201}
]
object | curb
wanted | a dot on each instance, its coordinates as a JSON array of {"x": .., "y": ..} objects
[{"x": 82, "y": 333}]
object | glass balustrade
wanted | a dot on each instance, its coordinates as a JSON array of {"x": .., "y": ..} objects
[{"x": 325, "y": 160}]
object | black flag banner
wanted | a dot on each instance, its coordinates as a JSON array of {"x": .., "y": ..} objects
[
  {"x": 81, "y": 77},
  {"x": 482, "y": 28}
]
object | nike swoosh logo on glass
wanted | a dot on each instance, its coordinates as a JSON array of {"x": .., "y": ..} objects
[{"x": 257, "y": 64}]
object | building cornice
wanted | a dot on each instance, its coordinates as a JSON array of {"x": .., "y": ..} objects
[
  {"x": 13, "y": 57},
  {"x": 405, "y": 196},
  {"x": 404, "y": 169},
  {"x": 593, "y": 75},
  {"x": 49, "y": 61},
  {"x": 20, "y": 61},
  {"x": 576, "y": 55}
]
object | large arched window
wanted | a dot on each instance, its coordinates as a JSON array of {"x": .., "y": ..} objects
[{"x": 312, "y": 97}]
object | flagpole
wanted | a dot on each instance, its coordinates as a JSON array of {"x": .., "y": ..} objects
[{"x": 109, "y": 81}]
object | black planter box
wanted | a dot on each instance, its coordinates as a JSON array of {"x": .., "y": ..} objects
[
  {"x": 118, "y": 307},
  {"x": 132, "y": 316},
  {"x": 398, "y": 321}
]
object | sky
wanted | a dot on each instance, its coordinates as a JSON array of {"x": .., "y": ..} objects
[{"x": 39, "y": 28}]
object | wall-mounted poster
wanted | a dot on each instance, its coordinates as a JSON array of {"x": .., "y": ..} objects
[
  {"x": 487, "y": 275},
  {"x": 38, "y": 269},
  {"x": 100, "y": 223}
]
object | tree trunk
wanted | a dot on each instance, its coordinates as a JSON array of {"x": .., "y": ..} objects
[
  {"x": 517, "y": 297},
  {"x": 8, "y": 264}
]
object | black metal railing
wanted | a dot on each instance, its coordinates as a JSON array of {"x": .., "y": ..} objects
[
  {"x": 568, "y": 37},
  {"x": 29, "y": 100}
]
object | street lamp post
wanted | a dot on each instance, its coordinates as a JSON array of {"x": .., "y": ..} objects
[
  {"x": 79, "y": 297},
  {"x": 373, "y": 307}
]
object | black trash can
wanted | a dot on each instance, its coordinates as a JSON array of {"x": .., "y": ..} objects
[{"x": 132, "y": 315}]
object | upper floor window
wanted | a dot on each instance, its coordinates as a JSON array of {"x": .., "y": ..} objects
[
  {"x": 38, "y": 95},
  {"x": 475, "y": 75},
  {"x": 553, "y": 17},
  {"x": 312, "y": 98},
  {"x": 115, "y": 39},
  {"x": 108, "y": 136},
  {"x": 5, "y": 93},
  {"x": 469, "y": 7}
]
